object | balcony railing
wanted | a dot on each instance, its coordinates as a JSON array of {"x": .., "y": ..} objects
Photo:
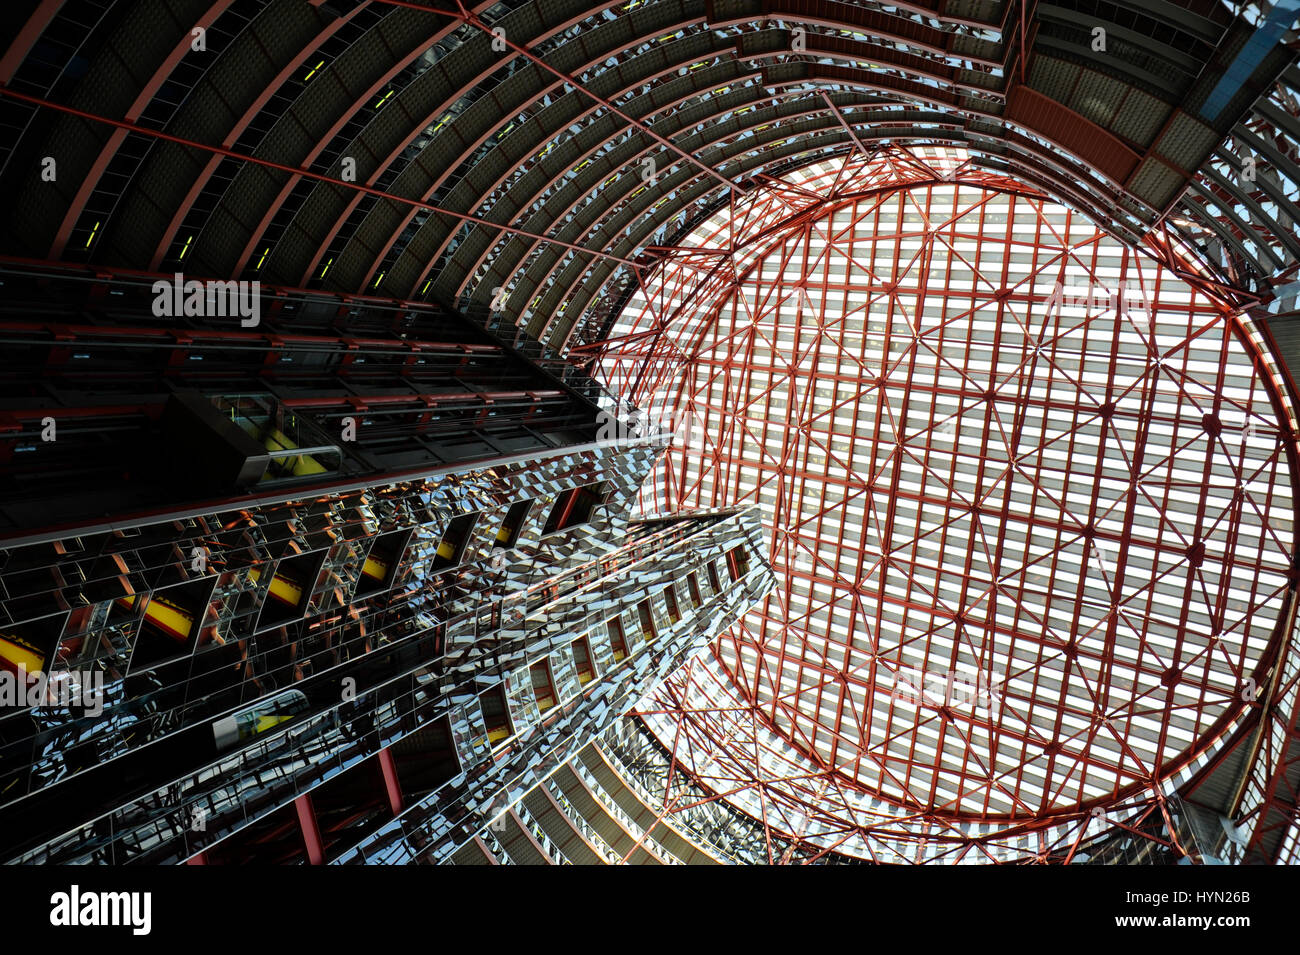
[
  {"x": 610, "y": 805},
  {"x": 580, "y": 822}
]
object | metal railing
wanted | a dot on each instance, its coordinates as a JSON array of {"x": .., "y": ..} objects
[
  {"x": 549, "y": 848},
  {"x": 580, "y": 823},
  {"x": 495, "y": 847},
  {"x": 611, "y": 806}
]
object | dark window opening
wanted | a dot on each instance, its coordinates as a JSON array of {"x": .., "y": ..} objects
[
  {"x": 495, "y": 714},
  {"x": 379, "y": 572},
  {"x": 573, "y": 507},
  {"x": 674, "y": 614},
  {"x": 170, "y": 623},
  {"x": 543, "y": 687},
  {"x": 617, "y": 639},
  {"x": 28, "y": 646},
  {"x": 693, "y": 585},
  {"x": 582, "y": 661},
  {"x": 647, "y": 621},
  {"x": 508, "y": 535},
  {"x": 451, "y": 549},
  {"x": 350, "y": 806},
  {"x": 426, "y": 759},
  {"x": 289, "y": 590},
  {"x": 714, "y": 582},
  {"x": 737, "y": 563}
]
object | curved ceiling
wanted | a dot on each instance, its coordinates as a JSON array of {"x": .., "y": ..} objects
[
  {"x": 535, "y": 153},
  {"x": 1029, "y": 493}
]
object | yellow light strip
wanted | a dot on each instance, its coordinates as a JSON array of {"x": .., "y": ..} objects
[{"x": 374, "y": 568}]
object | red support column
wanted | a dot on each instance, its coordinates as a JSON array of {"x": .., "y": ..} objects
[
  {"x": 393, "y": 786},
  {"x": 311, "y": 836}
]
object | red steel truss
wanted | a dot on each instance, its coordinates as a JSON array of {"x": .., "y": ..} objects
[{"x": 1029, "y": 496}]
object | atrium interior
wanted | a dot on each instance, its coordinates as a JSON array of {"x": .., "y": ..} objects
[{"x": 660, "y": 432}]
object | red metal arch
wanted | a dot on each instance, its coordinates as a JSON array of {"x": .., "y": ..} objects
[
  {"x": 237, "y": 130},
  {"x": 118, "y": 136},
  {"x": 1129, "y": 747}
]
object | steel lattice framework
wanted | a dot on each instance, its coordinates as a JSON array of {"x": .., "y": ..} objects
[{"x": 1029, "y": 493}]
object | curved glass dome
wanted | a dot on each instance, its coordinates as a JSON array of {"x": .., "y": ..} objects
[{"x": 1027, "y": 491}]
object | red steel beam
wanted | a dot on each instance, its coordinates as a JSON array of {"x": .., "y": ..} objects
[
  {"x": 142, "y": 100},
  {"x": 392, "y": 785},
  {"x": 310, "y": 829},
  {"x": 250, "y": 113},
  {"x": 27, "y": 36}
]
